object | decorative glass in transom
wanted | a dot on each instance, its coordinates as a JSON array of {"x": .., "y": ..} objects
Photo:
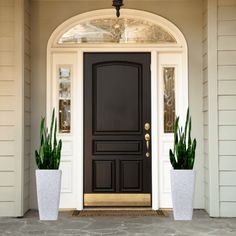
[{"x": 117, "y": 30}]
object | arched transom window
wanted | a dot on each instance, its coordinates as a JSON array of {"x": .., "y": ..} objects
[{"x": 125, "y": 30}]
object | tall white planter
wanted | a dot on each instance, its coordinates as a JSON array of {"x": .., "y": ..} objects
[
  {"x": 182, "y": 189},
  {"x": 48, "y": 193}
]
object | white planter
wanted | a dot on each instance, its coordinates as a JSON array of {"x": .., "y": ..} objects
[
  {"x": 182, "y": 189},
  {"x": 48, "y": 193}
]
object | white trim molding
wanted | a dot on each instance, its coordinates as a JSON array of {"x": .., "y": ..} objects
[
  {"x": 106, "y": 13},
  {"x": 213, "y": 144}
]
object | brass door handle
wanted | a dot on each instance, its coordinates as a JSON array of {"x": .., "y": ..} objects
[{"x": 147, "y": 139}]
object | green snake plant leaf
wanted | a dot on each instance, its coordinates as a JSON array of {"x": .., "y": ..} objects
[
  {"x": 186, "y": 124},
  {"x": 176, "y": 132},
  {"x": 55, "y": 135},
  {"x": 42, "y": 126},
  {"x": 49, "y": 154},
  {"x": 189, "y": 133},
  {"x": 172, "y": 158},
  {"x": 183, "y": 154},
  {"x": 51, "y": 127}
]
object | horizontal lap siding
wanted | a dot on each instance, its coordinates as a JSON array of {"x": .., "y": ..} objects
[
  {"x": 226, "y": 58},
  {"x": 205, "y": 106},
  {"x": 227, "y": 105},
  {"x": 7, "y": 208},
  {"x": 228, "y": 163},
  {"x": 11, "y": 108},
  {"x": 7, "y": 163},
  {"x": 27, "y": 101},
  {"x": 228, "y": 208},
  {"x": 7, "y": 110},
  {"x": 227, "y": 42}
]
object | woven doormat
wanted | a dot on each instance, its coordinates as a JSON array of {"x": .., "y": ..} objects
[{"x": 132, "y": 213}]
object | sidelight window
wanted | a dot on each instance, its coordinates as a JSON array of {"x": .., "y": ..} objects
[
  {"x": 64, "y": 80},
  {"x": 169, "y": 99}
]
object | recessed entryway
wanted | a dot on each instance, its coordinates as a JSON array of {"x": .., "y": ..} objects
[{"x": 66, "y": 90}]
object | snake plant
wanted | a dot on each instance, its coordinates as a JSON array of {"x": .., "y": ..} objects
[
  {"x": 183, "y": 154},
  {"x": 49, "y": 154}
]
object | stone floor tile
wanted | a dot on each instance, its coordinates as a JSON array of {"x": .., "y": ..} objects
[{"x": 201, "y": 225}]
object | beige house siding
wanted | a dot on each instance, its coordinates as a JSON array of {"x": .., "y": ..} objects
[
  {"x": 11, "y": 108},
  {"x": 205, "y": 106},
  {"x": 8, "y": 106},
  {"x": 27, "y": 103},
  {"x": 227, "y": 105}
]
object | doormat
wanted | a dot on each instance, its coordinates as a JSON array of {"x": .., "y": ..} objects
[{"x": 132, "y": 213}]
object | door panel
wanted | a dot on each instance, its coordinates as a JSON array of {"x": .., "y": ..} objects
[
  {"x": 131, "y": 176},
  {"x": 117, "y": 147},
  {"x": 103, "y": 176},
  {"x": 116, "y": 108},
  {"x": 117, "y": 97}
]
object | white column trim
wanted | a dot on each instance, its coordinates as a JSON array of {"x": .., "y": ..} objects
[
  {"x": 155, "y": 130},
  {"x": 213, "y": 110}
]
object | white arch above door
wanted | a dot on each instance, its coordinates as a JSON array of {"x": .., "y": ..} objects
[
  {"x": 109, "y": 13},
  {"x": 162, "y": 55}
]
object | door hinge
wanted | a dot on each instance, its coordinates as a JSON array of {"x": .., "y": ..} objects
[{"x": 150, "y": 67}]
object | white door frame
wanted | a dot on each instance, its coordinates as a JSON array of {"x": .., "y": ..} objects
[{"x": 156, "y": 88}]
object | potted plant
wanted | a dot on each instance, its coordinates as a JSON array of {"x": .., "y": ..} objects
[
  {"x": 48, "y": 177},
  {"x": 182, "y": 175}
]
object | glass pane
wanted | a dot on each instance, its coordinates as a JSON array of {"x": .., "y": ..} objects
[
  {"x": 113, "y": 30},
  {"x": 64, "y": 116},
  {"x": 64, "y": 99},
  {"x": 64, "y": 82},
  {"x": 169, "y": 99}
]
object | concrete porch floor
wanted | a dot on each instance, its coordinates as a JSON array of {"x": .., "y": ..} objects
[{"x": 201, "y": 224}]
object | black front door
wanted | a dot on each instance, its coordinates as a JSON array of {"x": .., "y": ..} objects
[{"x": 117, "y": 105}]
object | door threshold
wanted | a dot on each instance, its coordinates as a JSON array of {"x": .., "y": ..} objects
[
  {"x": 117, "y": 200},
  {"x": 117, "y": 208}
]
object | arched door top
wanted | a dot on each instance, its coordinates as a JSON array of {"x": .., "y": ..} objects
[{"x": 102, "y": 27}]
